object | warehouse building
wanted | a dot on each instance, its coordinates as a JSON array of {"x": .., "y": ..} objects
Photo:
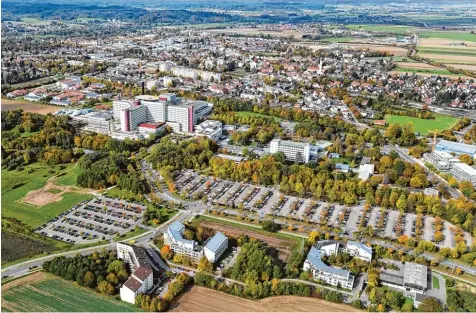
[{"x": 457, "y": 148}]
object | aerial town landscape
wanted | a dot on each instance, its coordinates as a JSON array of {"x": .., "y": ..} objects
[{"x": 224, "y": 156}]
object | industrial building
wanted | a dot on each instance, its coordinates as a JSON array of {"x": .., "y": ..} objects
[
  {"x": 212, "y": 249},
  {"x": 412, "y": 277},
  {"x": 457, "y": 148},
  {"x": 98, "y": 122},
  {"x": 441, "y": 160},
  {"x": 294, "y": 151}
]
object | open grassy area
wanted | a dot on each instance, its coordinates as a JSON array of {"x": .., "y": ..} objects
[
  {"x": 69, "y": 178},
  {"x": 15, "y": 186},
  {"x": 423, "y": 70},
  {"x": 396, "y": 29},
  {"x": 41, "y": 292},
  {"x": 123, "y": 194},
  {"x": 246, "y": 113},
  {"x": 132, "y": 233},
  {"x": 449, "y": 35},
  {"x": 447, "y": 51},
  {"x": 436, "y": 282},
  {"x": 34, "y": 21},
  {"x": 423, "y": 126}
]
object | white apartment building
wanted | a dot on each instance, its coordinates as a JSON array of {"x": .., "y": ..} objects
[
  {"x": 215, "y": 247},
  {"x": 329, "y": 274},
  {"x": 195, "y": 74},
  {"x": 463, "y": 171},
  {"x": 212, "y": 250},
  {"x": 294, "y": 151},
  {"x": 142, "y": 277},
  {"x": 209, "y": 128},
  {"x": 140, "y": 281}
]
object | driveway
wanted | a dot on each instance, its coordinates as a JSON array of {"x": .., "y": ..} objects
[{"x": 438, "y": 293}]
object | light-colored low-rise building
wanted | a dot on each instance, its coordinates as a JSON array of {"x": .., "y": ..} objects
[
  {"x": 215, "y": 247},
  {"x": 462, "y": 171}
]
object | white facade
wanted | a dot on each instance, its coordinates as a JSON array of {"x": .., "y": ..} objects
[
  {"x": 463, "y": 171},
  {"x": 442, "y": 160},
  {"x": 294, "y": 151},
  {"x": 215, "y": 247},
  {"x": 210, "y": 129},
  {"x": 140, "y": 281}
]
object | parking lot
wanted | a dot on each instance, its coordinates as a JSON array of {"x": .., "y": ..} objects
[
  {"x": 93, "y": 220},
  {"x": 262, "y": 202}
]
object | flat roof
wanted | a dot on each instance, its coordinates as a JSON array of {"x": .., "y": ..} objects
[
  {"x": 457, "y": 147},
  {"x": 466, "y": 168},
  {"x": 289, "y": 143},
  {"x": 415, "y": 274}
]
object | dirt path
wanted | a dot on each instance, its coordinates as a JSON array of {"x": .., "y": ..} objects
[
  {"x": 44, "y": 195},
  {"x": 200, "y": 299}
]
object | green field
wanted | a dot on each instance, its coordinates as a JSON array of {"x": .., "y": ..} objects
[
  {"x": 423, "y": 126},
  {"x": 396, "y": 29},
  {"x": 449, "y": 35},
  {"x": 340, "y": 39},
  {"x": 423, "y": 71},
  {"x": 36, "y": 293},
  {"x": 246, "y": 113},
  {"x": 447, "y": 51},
  {"x": 34, "y": 21},
  {"x": 436, "y": 282},
  {"x": 69, "y": 178},
  {"x": 15, "y": 186},
  {"x": 123, "y": 194}
]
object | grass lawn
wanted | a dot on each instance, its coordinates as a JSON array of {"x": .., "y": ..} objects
[
  {"x": 54, "y": 190},
  {"x": 246, "y": 113},
  {"x": 34, "y": 21},
  {"x": 423, "y": 70},
  {"x": 449, "y": 35},
  {"x": 15, "y": 186},
  {"x": 408, "y": 300},
  {"x": 436, "y": 282},
  {"x": 69, "y": 178},
  {"x": 42, "y": 292},
  {"x": 130, "y": 234},
  {"x": 423, "y": 126},
  {"x": 123, "y": 194}
]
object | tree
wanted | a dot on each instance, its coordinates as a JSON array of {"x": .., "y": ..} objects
[
  {"x": 112, "y": 278},
  {"x": 270, "y": 225},
  {"x": 403, "y": 239},
  {"x": 466, "y": 158},
  {"x": 430, "y": 304},
  {"x": 373, "y": 277},
  {"x": 105, "y": 287},
  {"x": 115, "y": 266},
  {"x": 204, "y": 265},
  {"x": 89, "y": 280}
]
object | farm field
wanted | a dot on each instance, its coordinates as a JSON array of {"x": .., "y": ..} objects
[
  {"x": 396, "y": 29},
  {"x": 245, "y": 113},
  {"x": 17, "y": 184},
  {"x": 42, "y": 292},
  {"x": 423, "y": 69},
  {"x": 201, "y": 299},
  {"x": 423, "y": 126},
  {"x": 462, "y": 36},
  {"x": 8, "y": 104},
  {"x": 17, "y": 246}
]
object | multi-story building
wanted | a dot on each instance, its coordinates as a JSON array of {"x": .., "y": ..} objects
[
  {"x": 179, "y": 245},
  {"x": 321, "y": 271},
  {"x": 329, "y": 274},
  {"x": 142, "y": 277},
  {"x": 212, "y": 249},
  {"x": 441, "y": 160},
  {"x": 182, "y": 115},
  {"x": 98, "y": 122},
  {"x": 210, "y": 129},
  {"x": 215, "y": 247},
  {"x": 462, "y": 171},
  {"x": 294, "y": 151},
  {"x": 412, "y": 277}
]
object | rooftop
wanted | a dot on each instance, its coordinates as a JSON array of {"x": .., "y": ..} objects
[
  {"x": 293, "y": 144},
  {"x": 133, "y": 284},
  {"x": 314, "y": 257},
  {"x": 216, "y": 241},
  {"x": 360, "y": 246},
  {"x": 415, "y": 275},
  {"x": 457, "y": 147},
  {"x": 466, "y": 168},
  {"x": 141, "y": 273}
]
